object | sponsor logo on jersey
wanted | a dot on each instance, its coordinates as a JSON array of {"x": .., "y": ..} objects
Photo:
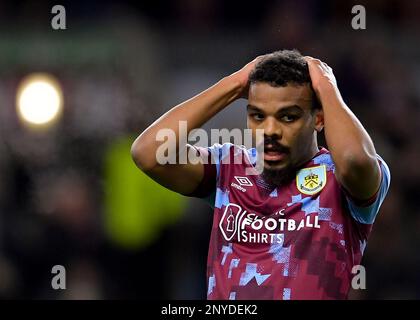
[
  {"x": 243, "y": 181},
  {"x": 311, "y": 180},
  {"x": 229, "y": 222},
  {"x": 239, "y": 225}
]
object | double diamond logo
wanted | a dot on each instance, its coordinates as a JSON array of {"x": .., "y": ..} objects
[{"x": 243, "y": 181}]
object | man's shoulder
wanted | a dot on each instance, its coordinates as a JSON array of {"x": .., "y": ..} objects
[
  {"x": 323, "y": 157},
  {"x": 222, "y": 151}
]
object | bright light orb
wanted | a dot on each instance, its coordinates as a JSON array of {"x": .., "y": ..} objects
[{"x": 39, "y": 99}]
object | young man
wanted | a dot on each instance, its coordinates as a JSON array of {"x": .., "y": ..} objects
[{"x": 296, "y": 230}]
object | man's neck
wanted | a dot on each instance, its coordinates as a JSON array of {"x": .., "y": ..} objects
[{"x": 311, "y": 153}]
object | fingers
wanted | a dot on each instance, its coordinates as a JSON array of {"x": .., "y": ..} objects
[
  {"x": 257, "y": 59},
  {"x": 313, "y": 61},
  {"x": 318, "y": 63}
]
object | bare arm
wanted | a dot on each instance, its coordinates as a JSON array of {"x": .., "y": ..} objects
[
  {"x": 351, "y": 148},
  {"x": 185, "y": 178}
]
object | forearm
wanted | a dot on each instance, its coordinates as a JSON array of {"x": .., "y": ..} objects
[
  {"x": 349, "y": 143},
  {"x": 195, "y": 111}
]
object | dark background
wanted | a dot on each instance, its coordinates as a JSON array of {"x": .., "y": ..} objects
[{"x": 70, "y": 194}]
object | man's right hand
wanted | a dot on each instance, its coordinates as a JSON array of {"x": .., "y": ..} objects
[{"x": 242, "y": 76}]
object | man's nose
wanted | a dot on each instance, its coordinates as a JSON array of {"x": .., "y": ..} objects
[{"x": 272, "y": 128}]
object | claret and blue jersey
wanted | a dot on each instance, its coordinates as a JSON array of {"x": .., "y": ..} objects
[{"x": 297, "y": 241}]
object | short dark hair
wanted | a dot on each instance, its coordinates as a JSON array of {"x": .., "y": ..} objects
[{"x": 281, "y": 68}]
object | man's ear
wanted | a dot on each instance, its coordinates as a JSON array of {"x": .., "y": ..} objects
[{"x": 319, "y": 120}]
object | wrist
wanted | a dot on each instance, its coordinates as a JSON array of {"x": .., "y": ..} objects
[
  {"x": 234, "y": 85},
  {"x": 326, "y": 90}
]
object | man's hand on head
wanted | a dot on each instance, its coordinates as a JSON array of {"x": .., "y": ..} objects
[
  {"x": 322, "y": 76},
  {"x": 242, "y": 76}
]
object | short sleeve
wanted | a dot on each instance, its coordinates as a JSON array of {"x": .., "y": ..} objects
[
  {"x": 366, "y": 213},
  {"x": 212, "y": 158}
]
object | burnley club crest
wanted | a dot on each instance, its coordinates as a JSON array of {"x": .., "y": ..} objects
[{"x": 311, "y": 180}]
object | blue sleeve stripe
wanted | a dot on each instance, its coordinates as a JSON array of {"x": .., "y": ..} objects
[
  {"x": 219, "y": 152},
  {"x": 367, "y": 215}
]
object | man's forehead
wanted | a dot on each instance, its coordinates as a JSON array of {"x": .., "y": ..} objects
[{"x": 263, "y": 94}]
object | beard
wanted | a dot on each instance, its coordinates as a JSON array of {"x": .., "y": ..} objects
[
  {"x": 279, "y": 177},
  {"x": 273, "y": 176}
]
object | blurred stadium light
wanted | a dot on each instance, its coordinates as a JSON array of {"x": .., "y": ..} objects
[{"x": 39, "y": 100}]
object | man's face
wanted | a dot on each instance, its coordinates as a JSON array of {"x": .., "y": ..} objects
[{"x": 284, "y": 113}]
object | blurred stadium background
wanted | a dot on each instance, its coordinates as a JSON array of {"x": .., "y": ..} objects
[{"x": 69, "y": 192}]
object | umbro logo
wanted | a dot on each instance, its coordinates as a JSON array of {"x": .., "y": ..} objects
[{"x": 243, "y": 182}]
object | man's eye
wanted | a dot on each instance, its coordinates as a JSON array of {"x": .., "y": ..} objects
[
  {"x": 257, "y": 116},
  {"x": 289, "y": 118}
]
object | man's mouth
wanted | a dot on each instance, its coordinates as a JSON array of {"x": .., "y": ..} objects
[{"x": 272, "y": 153}]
